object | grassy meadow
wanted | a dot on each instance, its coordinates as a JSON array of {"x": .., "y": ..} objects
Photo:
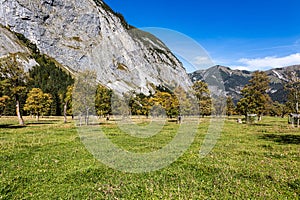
[{"x": 47, "y": 160}]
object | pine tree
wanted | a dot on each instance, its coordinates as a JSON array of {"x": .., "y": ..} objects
[{"x": 51, "y": 79}]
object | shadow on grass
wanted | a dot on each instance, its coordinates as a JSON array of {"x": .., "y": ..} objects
[
  {"x": 260, "y": 125},
  {"x": 15, "y": 126},
  {"x": 283, "y": 139},
  {"x": 41, "y": 122},
  {"x": 11, "y": 126}
]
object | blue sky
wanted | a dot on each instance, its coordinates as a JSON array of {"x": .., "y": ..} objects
[{"x": 253, "y": 35}]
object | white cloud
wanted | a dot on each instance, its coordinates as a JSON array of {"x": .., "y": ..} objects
[
  {"x": 202, "y": 60},
  {"x": 268, "y": 62},
  {"x": 241, "y": 68}
]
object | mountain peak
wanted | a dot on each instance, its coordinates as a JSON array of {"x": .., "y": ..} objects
[{"x": 235, "y": 80}]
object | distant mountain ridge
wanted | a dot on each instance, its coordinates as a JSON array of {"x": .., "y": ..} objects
[{"x": 235, "y": 80}]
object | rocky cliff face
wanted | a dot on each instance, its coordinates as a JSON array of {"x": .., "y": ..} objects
[
  {"x": 10, "y": 45},
  {"x": 235, "y": 80},
  {"x": 87, "y": 34}
]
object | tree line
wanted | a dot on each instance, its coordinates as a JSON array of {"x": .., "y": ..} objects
[
  {"x": 162, "y": 101},
  {"x": 45, "y": 84},
  {"x": 256, "y": 100},
  {"x": 46, "y": 89}
]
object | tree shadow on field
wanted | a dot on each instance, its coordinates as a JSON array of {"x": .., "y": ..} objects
[
  {"x": 43, "y": 121},
  {"x": 36, "y": 123},
  {"x": 40, "y": 123},
  {"x": 260, "y": 125},
  {"x": 11, "y": 126},
  {"x": 282, "y": 139}
]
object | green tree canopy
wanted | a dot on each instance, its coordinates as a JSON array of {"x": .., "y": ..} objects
[
  {"x": 103, "y": 100},
  {"x": 255, "y": 98},
  {"x": 293, "y": 88},
  {"x": 48, "y": 76},
  {"x": 278, "y": 109},
  {"x": 186, "y": 101},
  {"x": 165, "y": 102},
  {"x": 230, "y": 108},
  {"x": 204, "y": 99},
  {"x": 140, "y": 104},
  {"x": 13, "y": 81},
  {"x": 51, "y": 79},
  {"x": 84, "y": 95},
  {"x": 68, "y": 102},
  {"x": 37, "y": 102},
  {"x": 3, "y": 102}
]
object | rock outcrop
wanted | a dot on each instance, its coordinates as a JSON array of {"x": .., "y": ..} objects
[
  {"x": 87, "y": 34},
  {"x": 11, "y": 46}
]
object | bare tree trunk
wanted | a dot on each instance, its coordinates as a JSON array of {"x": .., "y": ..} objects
[
  {"x": 80, "y": 120},
  {"x": 65, "y": 112},
  {"x": 20, "y": 118},
  {"x": 259, "y": 117},
  {"x": 297, "y": 110},
  {"x": 87, "y": 117}
]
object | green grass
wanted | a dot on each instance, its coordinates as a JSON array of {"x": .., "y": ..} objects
[{"x": 46, "y": 160}]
